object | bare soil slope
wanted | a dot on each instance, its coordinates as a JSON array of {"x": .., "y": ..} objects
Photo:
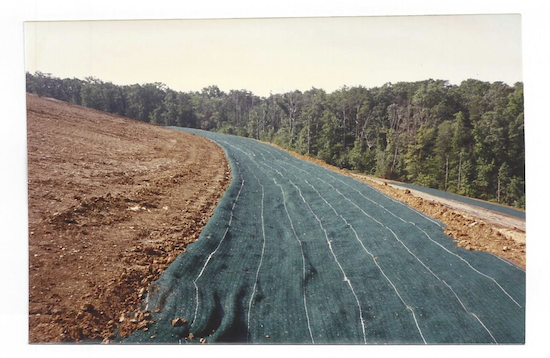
[{"x": 112, "y": 202}]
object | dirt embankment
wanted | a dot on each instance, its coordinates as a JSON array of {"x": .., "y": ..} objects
[
  {"x": 112, "y": 202},
  {"x": 472, "y": 227}
]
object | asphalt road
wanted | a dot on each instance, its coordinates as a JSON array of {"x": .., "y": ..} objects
[{"x": 463, "y": 199}]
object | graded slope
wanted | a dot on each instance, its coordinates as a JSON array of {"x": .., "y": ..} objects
[
  {"x": 112, "y": 201},
  {"x": 296, "y": 253}
]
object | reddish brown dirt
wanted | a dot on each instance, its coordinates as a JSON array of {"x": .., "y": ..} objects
[
  {"x": 112, "y": 202},
  {"x": 468, "y": 231},
  {"x": 473, "y": 230}
]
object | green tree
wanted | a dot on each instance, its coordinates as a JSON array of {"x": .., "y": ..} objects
[
  {"x": 467, "y": 139},
  {"x": 443, "y": 153}
]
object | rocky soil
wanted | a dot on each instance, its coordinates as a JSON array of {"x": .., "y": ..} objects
[{"x": 112, "y": 202}]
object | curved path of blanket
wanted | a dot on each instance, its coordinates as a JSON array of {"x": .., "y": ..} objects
[{"x": 295, "y": 253}]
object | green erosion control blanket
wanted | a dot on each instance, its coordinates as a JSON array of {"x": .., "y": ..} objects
[{"x": 295, "y": 253}]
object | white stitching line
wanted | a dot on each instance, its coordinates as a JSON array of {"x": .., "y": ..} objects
[
  {"x": 373, "y": 259},
  {"x": 261, "y": 259},
  {"x": 392, "y": 199},
  {"x": 335, "y": 258},
  {"x": 408, "y": 307},
  {"x": 410, "y": 251},
  {"x": 408, "y": 248},
  {"x": 460, "y": 257},
  {"x": 295, "y": 235},
  {"x": 214, "y": 252},
  {"x": 477, "y": 318},
  {"x": 303, "y": 260},
  {"x": 467, "y": 263},
  {"x": 402, "y": 245},
  {"x": 473, "y": 314},
  {"x": 396, "y": 291}
]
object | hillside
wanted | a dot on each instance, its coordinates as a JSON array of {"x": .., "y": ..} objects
[
  {"x": 473, "y": 226},
  {"x": 112, "y": 201},
  {"x": 298, "y": 253}
]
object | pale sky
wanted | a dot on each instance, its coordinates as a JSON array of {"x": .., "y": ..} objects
[{"x": 279, "y": 55}]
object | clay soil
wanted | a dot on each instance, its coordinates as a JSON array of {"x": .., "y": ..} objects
[
  {"x": 112, "y": 202},
  {"x": 471, "y": 227}
]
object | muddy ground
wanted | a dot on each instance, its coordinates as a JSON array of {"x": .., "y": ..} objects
[
  {"x": 112, "y": 202},
  {"x": 472, "y": 227}
]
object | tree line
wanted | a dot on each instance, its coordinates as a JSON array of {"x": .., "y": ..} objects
[{"x": 466, "y": 139}]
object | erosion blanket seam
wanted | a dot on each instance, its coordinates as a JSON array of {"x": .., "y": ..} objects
[{"x": 295, "y": 253}]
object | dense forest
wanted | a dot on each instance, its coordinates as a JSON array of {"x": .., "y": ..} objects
[{"x": 466, "y": 139}]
